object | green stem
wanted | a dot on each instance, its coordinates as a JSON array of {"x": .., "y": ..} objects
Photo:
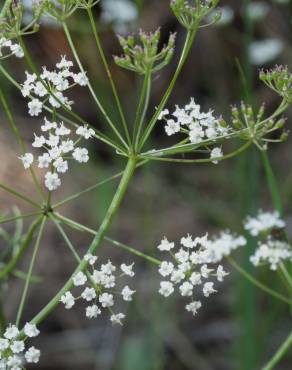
[
  {"x": 257, "y": 283},
  {"x": 108, "y": 72},
  {"x": 29, "y": 273},
  {"x": 286, "y": 345},
  {"x": 5, "y": 8},
  {"x": 99, "y": 105},
  {"x": 142, "y": 108},
  {"x": 272, "y": 183},
  {"x": 187, "y": 47},
  {"x": 78, "y": 226},
  {"x": 112, "y": 210},
  {"x": 19, "y": 217},
  {"x": 19, "y": 195}
]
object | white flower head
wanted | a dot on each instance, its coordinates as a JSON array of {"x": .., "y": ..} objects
[
  {"x": 128, "y": 269},
  {"x": 165, "y": 245},
  {"x": 106, "y": 300},
  {"x": 31, "y": 330},
  {"x": 166, "y": 288},
  {"x": 127, "y": 293},
  {"x": 27, "y": 160},
  {"x": 117, "y": 318},
  {"x": 68, "y": 300},
  {"x": 92, "y": 311},
  {"x": 52, "y": 181},
  {"x": 32, "y": 355},
  {"x": 79, "y": 279}
]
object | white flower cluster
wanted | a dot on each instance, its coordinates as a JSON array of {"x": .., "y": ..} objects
[
  {"x": 58, "y": 149},
  {"x": 13, "y": 353},
  {"x": 272, "y": 252},
  {"x": 199, "y": 126},
  {"x": 14, "y": 49},
  {"x": 189, "y": 270},
  {"x": 99, "y": 290},
  {"x": 51, "y": 86},
  {"x": 263, "y": 222}
]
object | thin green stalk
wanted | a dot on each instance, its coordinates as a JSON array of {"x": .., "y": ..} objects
[
  {"x": 5, "y": 8},
  {"x": 286, "y": 275},
  {"x": 186, "y": 49},
  {"x": 99, "y": 105},
  {"x": 142, "y": 108},
  {"x": 205, "y": 160},
  {"x": 257, "y": 283},
  {"x": 80, "y": 227},
  {"x": 65, "y": 237},
  {"x": 16, "y": 132},
  {"x": 286, "y": 345},
  {"x": 272, "y": 183},
  {"x": 92, "y": 187},
  {"x": 19, "y": 195},
  {"x": 19, "y": 217},
  {"x": 111, "y": 212},
  {"x": 108, "y": 72},
  {"x": 29, "y": 273}
]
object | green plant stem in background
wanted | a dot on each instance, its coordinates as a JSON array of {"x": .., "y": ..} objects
[
  {"x": 19, "y": 217},
  {"x": 287, "y": 344},
  {"x": 257, "y": 283},
  {"x": 5, "y": 7},
  {"x": 20, "y": 141},
  {"x": 111, "y": 212},
  {"x": 80, "y": 227},
  {"x": 142, "y": 108},
  {"x": 99, "y": 105},
  {"x": 29, "y": 273},
  {"x": 186, "y": 49},
  {"x": 108, "y": 72},
  {"x": 19, "y": 195}
]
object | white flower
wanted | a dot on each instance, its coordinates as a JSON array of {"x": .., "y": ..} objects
[
  {"x": 61, "y": 165},
  {"x": 35, "y": 107},
  {"x": 31, "y": 330},
  {"x": 17, "y": 346},
  {"x": 39, "y": 89},
  {"x": 68, "y": 300},
  {"x": 272, "y": 252},
  {"x": 182, "y": 255},
  {"x": 27, "y": 160},
  {"x": 188, "y": 242},
  {"x": 17, "y": 50},
  {"x": 62, "y": 130},
  {"x": 128, "y": 269},
  {"x": 166, "y": 288},
  {"x": 165, "y": 245},
  {"x": 108, "y": 268},
  {"x": 53, "y": 140},
  {"x": 216, "y": 153},
  {"x": 52, "y": 181},
  {"x": 4, "y": 344},
  {"x": 32, "y": 355},
  {"x": 193, "y": 307},
  {"x": 106, "y": 300},
  {"x": 39, "y": 141},
  {"x": 196, "y": 278},
  {"x": 162, "y": 114},
  {"x": 81, "y": 79},
  {"x": 208, "y": 289},
  {"x": 257, "y": 10},
  {"x": 85, "y": 132},
  {"x": 117, "y": 318},
  {"x": 48, "y": 125},
  {"x": 44, "y": 160},
  {"x": 64, "y": 63},
  {"x": 79, "y": 279},
  {"x": 172, "y": 127},
  {"x": 90, "y": 259},
  {"x": 88, "y": 294},
  {"x": 11, "y": 332},
  {"x": 166, "y": 268},
  {"x": 14, "y": 363},
  {"x": 67, "y": 146},
  {"x": 177, "y": 276},
  {"x": 81, "y": 155},
  {"x": 127, "y": 293},
  {"x": 263, "y": 222},
  {"x": 92, "y": 311},
  {"x": 264, "y": 51},
  {"x": 186, "y": 289},
  {"x": 205, "y": 271},
  {"x": 221, "y": 273}
]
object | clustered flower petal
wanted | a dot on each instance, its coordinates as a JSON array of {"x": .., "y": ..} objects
[
  {"x": 51, "y": 87},
  {"x": 199, "y": 126},
  {"x": 10, "y": 48},
  {"x": 98, "y": 289},
  {"x": 13, "y": 353},
  {"x": 57, "y": 147},
  {"x": 189, "y": 269},
  {"x": 263, "y": 222}
]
